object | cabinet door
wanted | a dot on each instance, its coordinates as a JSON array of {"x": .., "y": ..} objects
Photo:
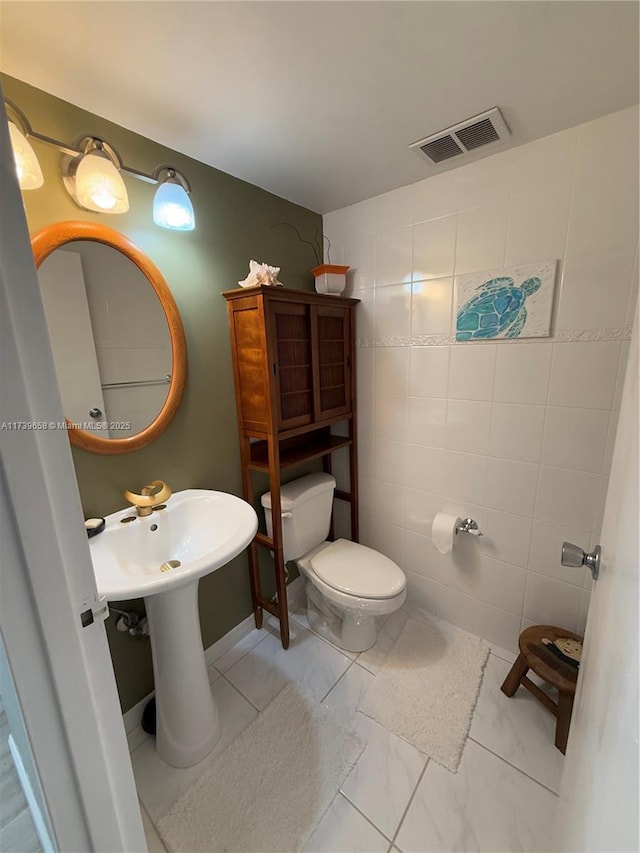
[
  {"x": 290, "y": 331},
  {"x": 332, "y": 328}
]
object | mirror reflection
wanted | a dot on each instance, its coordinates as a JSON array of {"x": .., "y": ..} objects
[{"x": 110, "y": 338}]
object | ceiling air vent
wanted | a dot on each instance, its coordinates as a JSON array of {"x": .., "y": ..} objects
[{"x": 488, "y": 128}]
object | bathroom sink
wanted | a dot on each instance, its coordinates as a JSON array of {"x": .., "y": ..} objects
[
  {"x": 197, "y": 533},
  {"x": 161, "y": 557}
]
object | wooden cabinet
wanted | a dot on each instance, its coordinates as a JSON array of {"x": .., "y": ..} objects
[{"x": 294, "y": 366}]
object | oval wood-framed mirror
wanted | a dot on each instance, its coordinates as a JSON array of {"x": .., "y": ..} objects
[{"x": 60, "y": 234}]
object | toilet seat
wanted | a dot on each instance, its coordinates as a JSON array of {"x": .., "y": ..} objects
[{"x": 356, "y": 570}]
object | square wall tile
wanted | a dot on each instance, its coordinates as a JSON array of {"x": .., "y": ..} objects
[
  {"x": 395, "y": 208},
  {"x": 434, "y": 245},
  {"x": 505, "y": 536},
  {"x": 461, "y": 476},
  {"x": 436, "y": 196},
  {"x": 365, "y": 370},
  {"x": 481, "y": 239},
  {"x": 567, "y": 498},
  {"x": 544, "y": 166},
  {"x": 366, "y": 315},
  {"x": 467, "y": 427},
  {"x": 575, "y": 438},
  {"x": 511, "y": 486},
  {"x": 393, "y": 255},
  {"x": 424, "y": 471},
  {"x": 426, "y": 421},
  {"x": 584, "y": 374},
  {"x": 485, "y": 183},
  {"x": 431, "y": 306},
  {"x": 392, "y": 370},
  {"x": 622, "y": 370},
  {"x": 391, "y": 417},
  {"x": 393, "y": 311},
  {"x": 516, "y": 432},
  {"x": 595, "y": 291},
  {"x": 550, "y": 602},
  {"x": 360, "y": 256},
  {"x": 428, "y": 371},
  {"x": 496, "y": 625},
  {"x": 389, "y": 540},
  {"x": 472, "y": 371},
  {"x": 389, "y": 461},
  {"x": 537, "y": 228},
  {"x": 546, "y": 552},
  {"x": 389, "y": 503},
  {"x": 522, "y": 373}
]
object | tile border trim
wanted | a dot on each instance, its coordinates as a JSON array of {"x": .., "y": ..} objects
[{"x": 568, "y": 336}]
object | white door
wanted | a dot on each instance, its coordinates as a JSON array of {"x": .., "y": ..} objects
[
  {"x": 66, "y": 307},
  {"x": 598, "y": 808},
  {"x": 61, "y": 671}
]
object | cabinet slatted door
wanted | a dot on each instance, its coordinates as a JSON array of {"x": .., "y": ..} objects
[
  {"x": 332, "y": 326},
  {"x": 293, "y": 370}
]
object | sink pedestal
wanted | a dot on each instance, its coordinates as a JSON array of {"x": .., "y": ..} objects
[{"x": 187, "y": 721}]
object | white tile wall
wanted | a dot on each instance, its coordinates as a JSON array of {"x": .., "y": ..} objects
[{"x": 518, "y": 435}]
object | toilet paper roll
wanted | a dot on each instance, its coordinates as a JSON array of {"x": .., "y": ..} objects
[{"x": 443, "y": 531}]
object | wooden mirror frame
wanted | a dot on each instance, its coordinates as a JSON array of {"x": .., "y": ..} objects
[{"x": 50, "y": 238}]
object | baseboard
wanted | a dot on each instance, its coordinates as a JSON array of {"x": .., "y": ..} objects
[{"x": 133, "y": 717}]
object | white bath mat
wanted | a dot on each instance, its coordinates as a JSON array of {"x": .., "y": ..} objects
[
  {"x": 427, "y": 689},
  {"x": 268, "y": 791}
]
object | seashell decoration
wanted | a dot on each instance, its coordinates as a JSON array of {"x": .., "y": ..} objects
[{"x": 261, "y": 274}]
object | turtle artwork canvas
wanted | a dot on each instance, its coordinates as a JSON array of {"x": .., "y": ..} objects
[{"x": 506, "y": 303}]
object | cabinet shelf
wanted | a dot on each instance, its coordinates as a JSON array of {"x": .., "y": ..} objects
[{"x": 314, "y": 447}]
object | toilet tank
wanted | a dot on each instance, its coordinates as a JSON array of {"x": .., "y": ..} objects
[{"x": 306, "y": 505}]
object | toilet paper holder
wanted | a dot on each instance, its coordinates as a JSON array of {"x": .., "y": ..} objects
[{"x": 468, "y": 525}]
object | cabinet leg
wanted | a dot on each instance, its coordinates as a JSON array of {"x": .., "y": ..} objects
[{"x": 254, "y": 579}]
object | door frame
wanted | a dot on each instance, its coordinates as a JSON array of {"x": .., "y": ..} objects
[{"x": 62, "y": 672}]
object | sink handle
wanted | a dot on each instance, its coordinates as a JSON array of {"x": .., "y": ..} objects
[{"x": 156, "y": 492}]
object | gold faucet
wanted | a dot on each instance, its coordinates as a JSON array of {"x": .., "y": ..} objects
[{"x": 151, "y": 496}]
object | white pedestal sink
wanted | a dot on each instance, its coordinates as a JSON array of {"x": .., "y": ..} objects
[{"x": 162, "y": 557}]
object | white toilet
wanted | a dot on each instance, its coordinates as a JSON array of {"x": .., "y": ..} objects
[{"x": 347, "y": 584}]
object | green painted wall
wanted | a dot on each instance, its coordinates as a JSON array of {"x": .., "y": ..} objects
[{"x": 200, "y": 448}]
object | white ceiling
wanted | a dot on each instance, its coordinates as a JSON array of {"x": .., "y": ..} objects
[{"x": 318, "y": 101}]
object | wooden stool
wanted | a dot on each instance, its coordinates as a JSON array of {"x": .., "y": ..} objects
[{"x": 533, "y": 655}]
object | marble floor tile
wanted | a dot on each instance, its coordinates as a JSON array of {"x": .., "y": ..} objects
[
  {"x": 344, "y": 830},
  {"x": 213, "y": 673},
  {"x": 158, "y": 783},
  {"x": 488, "y": 806},
  {"x": 313, "y": 664},
  {"x": 518, "y": 729},
  {"x": 373, "y": 659},
  {"x": 381, "y": 783},
  {"x": 248, "y": 642},
  {"x": 154, "y": 842}
]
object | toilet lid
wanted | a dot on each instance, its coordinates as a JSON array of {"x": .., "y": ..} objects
[{"x": 358, "y": 570}]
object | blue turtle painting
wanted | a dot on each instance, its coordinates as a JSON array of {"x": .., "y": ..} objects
[{"x": 497, "y": 308}]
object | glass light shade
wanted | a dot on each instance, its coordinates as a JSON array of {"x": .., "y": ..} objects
[
  {"x": 99, "y": 185},
  {"x": 172, "y": 207},
  {"x": 27, "y": 166}
]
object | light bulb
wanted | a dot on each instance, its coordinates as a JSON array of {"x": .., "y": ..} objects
[
  {"x": 99, "y": 185},
  {"x": 172, "y": 207},
  {"x": 27, "y": 166}
]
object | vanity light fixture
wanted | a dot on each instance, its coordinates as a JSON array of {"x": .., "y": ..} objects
[
  {"x": 172, "y": 206},
  {"x": 93, "y": 179},
  {"x": 27, "y": 165},
  {"x": 92, "y": 172}
]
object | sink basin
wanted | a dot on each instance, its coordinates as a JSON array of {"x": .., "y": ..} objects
[
  {"x": 200, "y": 529},
  {"x": 162, "y": 557}
]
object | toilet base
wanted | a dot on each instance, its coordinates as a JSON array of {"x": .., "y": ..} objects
[{"x": 352, "y": 631}]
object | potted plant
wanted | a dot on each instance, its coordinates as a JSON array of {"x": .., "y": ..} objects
[{"x": 329, "y": 278}]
